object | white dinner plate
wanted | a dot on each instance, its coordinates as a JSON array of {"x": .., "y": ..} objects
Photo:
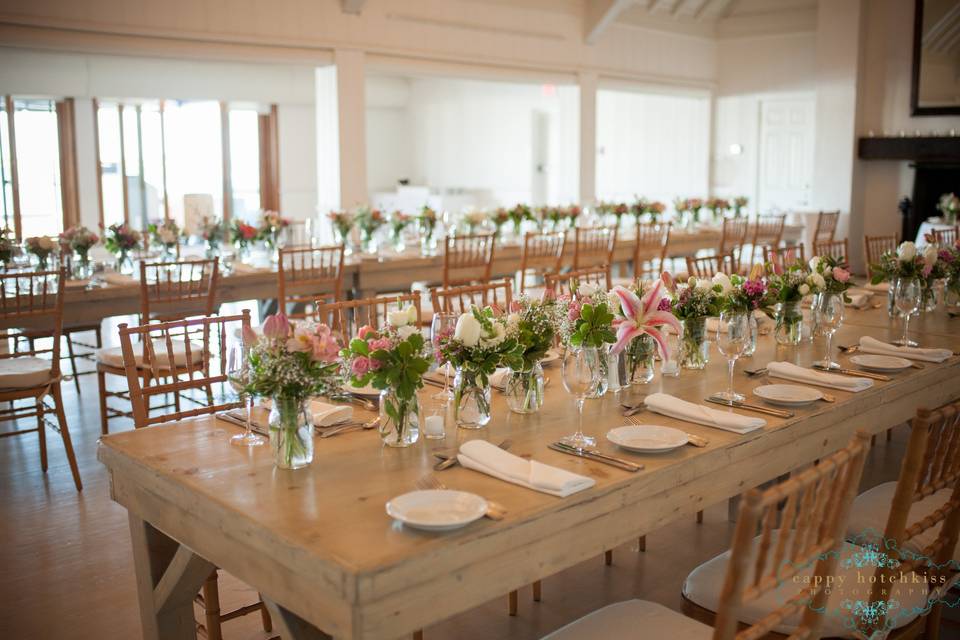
[
  {"x": 368, "y": 390},
  {"x": 789, "y": 395},
  {"x": 860, "y": 291},
  {"x": 436, "y": 510},
  {"x": 874, "y": 362},
  {"x": 647, "y": 438},
  {"x": 552, "y": 355}
]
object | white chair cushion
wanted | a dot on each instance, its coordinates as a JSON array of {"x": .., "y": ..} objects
[
  {"x": 868, "y": 517},
  {"x": 113, "y": 356},
  {"x": 703, "y": 585},
  {"x": 24, "y": 372},
  {"x": 632, "y": 620}
]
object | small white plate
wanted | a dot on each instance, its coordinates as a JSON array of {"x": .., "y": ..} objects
[
  {"x": 436, "y": 510},
  {"x": 647, "y": 438},
  {"x": 552, "y": 355},
  {"x": 860, "y": 291},
  {"x": 368, "y": 390},
  {"x": 875, "y": 362},
  {"x": 789, "y": 395}
]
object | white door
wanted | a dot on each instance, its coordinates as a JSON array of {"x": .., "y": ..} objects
[
  {"x": 540, "y": 147},
  {"x": 786, "y": 154}
]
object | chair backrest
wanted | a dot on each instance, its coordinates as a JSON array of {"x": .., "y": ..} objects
[
  {"x": 826, "y": 226},
  {"x": 557, "y": 284},
  {"x": 733, "y": 234},
  {"x": 182, "y": 355},
  {"x": 946, "y": 237},
  {"x": 307, "y": 273},
  {"x": 875, "y": 246},
  {"x": 497, "y": 294},
  {"x": 650, "y": 251},
  {"x": 783, "y": 257},
  {"x": 177, "y": 290},
  {"x": 801, "y": 521},
  {"x": 299, "y": 233},
  {"x": 468, "y": 259},
  {"x": 839, "y": 249},
  {"x": 593, "y": 246},
  {"x": 542, "y": 254},
  {"x": 33, "y": 300},
  {"x": 931, "y": 464},
  {"x": 709, "y": 266},
  {"x": 768, "y": 230},
  {"x": 346, "y": 317}
]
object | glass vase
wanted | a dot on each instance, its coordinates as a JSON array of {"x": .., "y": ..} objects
[
  {"x": 123, "y": 264},
  {"x": 789, "y": 319},
  {"x": 471, "y": 400},
  {"x": 694, "y": 348},
  {"x": 428, "y": 244},
  {"x": 82, "y": 267},
  {"x": 524, "y": 389},
  {"x": 368, "y": 241},
  {"x": 951, "y": 295},
  {"x": 928, "y": 300},
  {"x": 291, "y": 432},
  {"x": 615, "y": 369},
  {"x": 891, "y": 299},
  {"x": 399, "y": 419},
  {"x": 609, "y": 367},
  {"x": 751, "y": 347},
  {"x": 638, "y": 359}
]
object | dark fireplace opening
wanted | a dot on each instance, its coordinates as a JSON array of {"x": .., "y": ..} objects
[{"x": 931, "y": 180}]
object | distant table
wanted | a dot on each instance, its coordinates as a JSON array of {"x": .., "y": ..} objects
[{"x": 929, "y": 226}]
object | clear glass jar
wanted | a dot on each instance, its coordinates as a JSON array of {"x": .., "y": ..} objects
[
  {"x": 523, "y": 390},
  {"x": 928, "y": 302},
  {"x": 291, "y": 432},
  {"x": 471, "y": 400},
  {"x": 399, "y": 419},
  {"x": 82, "y": 267},
  {"x": 891, "y": 298},
  {"x": 615, "y": 375},
  {"x": 694, "y": 348},
  {"x": 638, "y": 360},
  {"x": 605, "y": 365},
  {"x": 789, "y": 319},
  {"x": 751, "y": 347}
]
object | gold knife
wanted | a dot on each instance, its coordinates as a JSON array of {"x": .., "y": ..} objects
[
  {"x": 856, "y": 373},
  {"x": 779, "y": 413},
  {"x": 626, "y": 465}
]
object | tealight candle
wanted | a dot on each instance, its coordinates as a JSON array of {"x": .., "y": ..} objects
[{"x": 433, "y": 427}]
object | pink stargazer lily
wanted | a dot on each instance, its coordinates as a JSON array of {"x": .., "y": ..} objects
[{"x": 641, "y": 316}]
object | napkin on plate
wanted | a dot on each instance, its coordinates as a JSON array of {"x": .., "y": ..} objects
[
  {"x": 872, "y": 345},
  {"x": 498, "y": 379},
  {"x": 484, "y": 457},
  {"x": 859, "y": 300},
  {"x": 665, "y": 404},
  {"x": 325, "y": 414},
  {"x": 790, "y": 371}
]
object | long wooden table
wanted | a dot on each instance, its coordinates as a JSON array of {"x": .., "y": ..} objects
[{"x": 320, "y": 548}]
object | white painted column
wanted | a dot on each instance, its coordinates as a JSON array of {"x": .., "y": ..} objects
[
  {"x": 588, "y": 137},
  {"x": 86, "y": 163},
  {"x": 352, "y": 109}
]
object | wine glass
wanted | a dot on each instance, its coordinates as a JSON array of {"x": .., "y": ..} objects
[
  {"x": 828, "y": 316},
  {"x": 733, "y": 335},
  {"x": 238, "y": 374},
  {"x": 581, "y": 375},
  {"x": 443, "y": 324},
  {"x": 907, "y": 300}
]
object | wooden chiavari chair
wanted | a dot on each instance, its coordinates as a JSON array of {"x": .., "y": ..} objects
[
  {"x": 567, "y": 283},
  {"x": 875, "y": 246},
  {"x": 650, "y": 251},
  {"x": 593, "y": 246},
  {"x": 767, "y": 231},
  {"x": 709, "y": 266},
  {"x": 839, "y": 249},
  {"x": 304, "y": 274},
  {"x": 168, "y": 291},
  {"x": 468, "y": 259},
  {"x": 346, "y": 317},
  {"x": 34, "y": 300},
  {"x": 826, "y": 227},
  {"x": 782, "y": 257},
  {"x": 542, "y": 254},
  {"x": 752, "y": 584},
  {"x": 150, "y": 347},
  {"x": 733, "y": 237},
  {"x": 946, "y": 237},
  {"x": 497, "y": 294}
]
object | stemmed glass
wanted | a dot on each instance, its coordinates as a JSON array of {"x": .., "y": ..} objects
[
  {"x": 828, "y": 315},
  {"x": 238, "y": 373},
  {"x": 443, "y": 324},
  {"x": 907, "y": 300},
  {"x": 733, "y": 335},
  {"x": 581, "y": 375}
]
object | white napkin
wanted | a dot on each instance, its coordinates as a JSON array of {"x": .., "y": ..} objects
[
  {"x": 498, "y": 379},
  {"x": 859, "y": 300},
  {"x": 327, "y": 415},
  {"x": 112, "y": 277},
  {"x": 790, "y": 371},
  {"x": 872, "y": 345},
  {"x": 882, "y": 287},
  {"x": 484, "y": 457},
  {"x": 665, "y": 404}
]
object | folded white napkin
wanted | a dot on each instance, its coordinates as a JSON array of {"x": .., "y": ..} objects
[
  {"x": 243, "y": 267},
  {"x": 665, "y": 404},
  {"x": 872, "y": 345},
  {"x": 484, "y": 457},
  {"x": 112, "y": 277},
  {"x": 859, "y": 300},
  {"x": 324, "y": 414},
  {"x": 882, "y": 287},
  {"x": 498, "y": 378},
  {"x": 790, "y": 371}
]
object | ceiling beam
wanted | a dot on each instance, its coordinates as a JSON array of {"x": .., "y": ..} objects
[
  {"x": 601, "y": 14},
  {"x": 352, "y": 6}
]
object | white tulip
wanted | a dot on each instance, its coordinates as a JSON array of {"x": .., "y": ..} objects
[
  {"x": 402, "y": 317},
  {"x": 724, "y": 281},
  {"x": 804, "y": 289},
  {"x": 704, "y": 285},
  {"x": 816, "y": 280},
  {"x": 814, "y": 263},
  {"x": 907, "y": 251},
  {"x": 827, "y": 272},
  {"x": 930, "y": 255},
  {"x": 468, "y": 330},
  {"x": 406, "y": 331},
  {"x": 496, "y": 335}
]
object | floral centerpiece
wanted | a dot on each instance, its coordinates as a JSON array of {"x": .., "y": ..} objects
[
  {"x": 693, "y": 206},
  {"x": 165, "y": 235},
  {"x": 479, "y": 344},
  {"x": 585, "y": 321},
  {"x": 289, "y": 364},
  {"x": 835, "y": 273},
  {"x": 369, "y": 221},
  {"x": 618, "y": 210},
  {"x": 748, "y": 295},
  {"x": 80, "y": 240},
  {"x": 682, "y": 208},
  {"x": 638, "y": 208},
  {"x": 499, "y": 218},
  {"x": 393, "y": 361},
  {"x": 692, "y": 303},
  {"x": 7, "y": 246},
  {"x": 427, "y": 225},
  {"x": 42, "y": 247},
  {"x": 571, "y": 214},
  {"x": 399, "y": 221},
  {"x": 949, "y": 206},
  {"x": 656, "y": 209},
  {"x": 242, "y": 235},
  {"x": 638, "y": 323},
  {"x": 738, "y": 205},
  {"x": 474, "y": 220},
  {"x": 518, "y": 214},
  {"x": 270, "y": 231},
  {"x": 718, "y": 207},
  {"x": 949, "y": 258},
  {"x": 531, "y": 324},
  {"x": 551, "y": 218},
  {"x": 120, "y": 240},
  {"x": 907, "y": 262},
  {"x": 786, "y": 289},
  {"x": 211, "y": 232},
  {"x": 342, "y": 223}
]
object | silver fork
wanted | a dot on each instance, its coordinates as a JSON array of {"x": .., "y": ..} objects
[
  {"x": 695, "y": 441},
  {"x": 431, "y": 482}
]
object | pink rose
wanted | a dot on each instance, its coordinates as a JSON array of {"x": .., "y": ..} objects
[
  {"x": 324, "y": 348},
  {"x": 375, "y": 364},
  {"x": 360, "y": 366},
  {"x": 574, "y": 312},
  {"x": 276, "y": 326},
  {"x": 514, "y": 306},
  {"x": 380, "y": 343},
  {"x": 840, "y": 274},
  {"x": 364, "y": 331}
]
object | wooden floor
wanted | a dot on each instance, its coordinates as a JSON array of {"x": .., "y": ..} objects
[{"x": 67, "y": 571}]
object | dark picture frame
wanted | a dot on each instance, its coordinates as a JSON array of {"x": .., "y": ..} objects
[{"x": 915, "y": 108}]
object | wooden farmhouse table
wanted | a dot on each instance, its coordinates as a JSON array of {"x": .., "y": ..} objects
[{"x": 327, "y": 559}]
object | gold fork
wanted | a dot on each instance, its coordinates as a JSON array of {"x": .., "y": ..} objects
[
  {"x": 430, "y": 482},
  {"x": 696, "y": 441}
]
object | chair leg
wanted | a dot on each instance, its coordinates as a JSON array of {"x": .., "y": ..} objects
[
  {"x": 642, "y": 543},
  {"x": 418, "y": 634},
  {"x": 211, "y": 607},
  {"x": 512, "y": 603},
  {"x": 102, "y": 390},
  {"x": 873, "y": 440},
  {"x": 265, "y": 618},
  {"x": 65, "y": 434},
  {"x": 73, "y": 363},
  {"x": 42, "y": 434},
  {"x": 889, "y": 434},
  {"x": 699, "y": 517},
  {"x": 608, "y": 557},
  {"x": 537, "y": 590}
]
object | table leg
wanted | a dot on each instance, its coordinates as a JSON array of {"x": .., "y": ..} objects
[
  {"x": 291, "y": 626},
  {"x": 168, "y": 578}
]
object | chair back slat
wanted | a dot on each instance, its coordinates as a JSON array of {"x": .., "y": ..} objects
[
  {"x": 498, "y": 294},
  {"x": 875, "y": 246},
  {"x": 557, "y": 284},
  {"x": 346, "y": 317},
  {"x": 542, "y": 254},
  {"x": 593, "y": 246},
  {"x": 838, "y": 249},
  {"x": 709, "y": 266},
  {"x": 826, "y": 226},
  {"x": 468, "y": 259},
  {"x": 650, "y": 251},
  {"x": 305, "y": 274},
  {"x": 177, "y": 290},
  {"x": 32, "y": 300},
  {"x": 946, "y": 237},
  {"x": 782, "y": 257}
]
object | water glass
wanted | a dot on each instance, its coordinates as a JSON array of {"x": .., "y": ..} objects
[
  {"x": 581, "y": 374},
  {"x": 907, "y": 296},
  {"x": 733, "y": 336}
]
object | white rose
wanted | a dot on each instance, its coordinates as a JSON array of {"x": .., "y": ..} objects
[
  {"x": 827, "y": 272},
  {"x": 397, "y": 318},
  {"x": 816, "y": 280},
  {"x": 406, "y": 331},
  {"x": 496, "y": 336},
  {"x": 704, "y": 285},
  {"x": 907, "y": 251},
  {"x": 804, "y": 289},
  {"x": 468, "y": 330},
  {"x": 587, "y": 289},
  {"x": 930, "y": 255},
  {"x": 513, "y": 320},
  {"x": 724, "y": 281}
]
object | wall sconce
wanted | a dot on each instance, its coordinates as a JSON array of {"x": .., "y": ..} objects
[{"x": 736, "y": 149}]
